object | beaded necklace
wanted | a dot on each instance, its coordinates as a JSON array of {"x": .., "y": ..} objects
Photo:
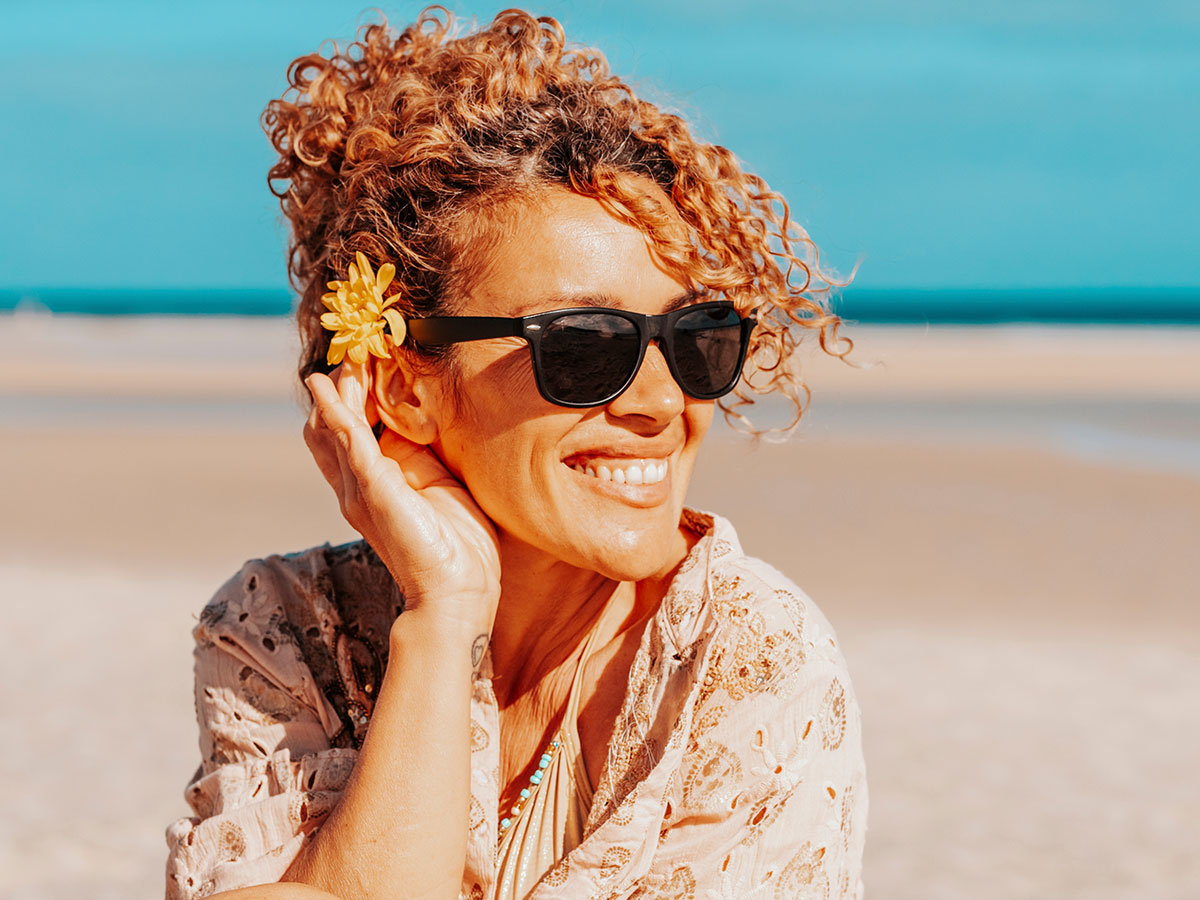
[
  {"x": 526, "y": 792},
  {"x": 543, "y": 762}
]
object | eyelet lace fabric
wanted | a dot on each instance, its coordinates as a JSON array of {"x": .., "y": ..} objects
[{"x": 735, "y": 768}]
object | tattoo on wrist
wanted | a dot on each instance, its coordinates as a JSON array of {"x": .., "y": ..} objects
[{"x": 477, "y": 650}]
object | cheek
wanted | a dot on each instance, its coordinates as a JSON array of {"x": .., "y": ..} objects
[
  {"x": 491, "y": 395},
  {"x": 515, "y": 478},
  {"x": 503, "y": 368},
  {"x": 698, "y": 416},
  {"x": 503, "y": 442}
]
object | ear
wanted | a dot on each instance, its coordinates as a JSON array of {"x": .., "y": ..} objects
[{"x": 408, "y": 400}]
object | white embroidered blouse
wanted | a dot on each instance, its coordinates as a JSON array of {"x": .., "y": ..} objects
[{"x": 735, "y": 769}]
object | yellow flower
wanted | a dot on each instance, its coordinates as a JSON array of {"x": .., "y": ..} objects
[{"x": 358, "y": 312}]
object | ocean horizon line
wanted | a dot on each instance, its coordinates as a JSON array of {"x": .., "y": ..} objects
[{"x": 1112, "y": 305}]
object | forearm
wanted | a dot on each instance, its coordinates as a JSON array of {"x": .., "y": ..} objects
[{"x": 399, "y": 831}]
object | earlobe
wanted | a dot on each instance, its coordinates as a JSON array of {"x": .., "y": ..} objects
[{"x": 404, "y": 400}]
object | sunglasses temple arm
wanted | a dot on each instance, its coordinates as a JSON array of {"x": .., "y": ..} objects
[{"x": 460, "y": 329}]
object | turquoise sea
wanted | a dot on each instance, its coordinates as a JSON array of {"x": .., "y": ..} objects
[{"x": 1097, "y": 306}]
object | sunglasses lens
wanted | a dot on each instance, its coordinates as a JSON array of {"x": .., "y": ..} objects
[
  {"x": 588, "y": 357},
  {"x": 708, "y": 349}
]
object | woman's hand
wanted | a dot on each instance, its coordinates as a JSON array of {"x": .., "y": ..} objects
[{"x": 423, "y": 523}]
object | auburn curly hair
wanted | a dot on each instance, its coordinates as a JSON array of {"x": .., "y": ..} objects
[{"x": 403, "y": 144}]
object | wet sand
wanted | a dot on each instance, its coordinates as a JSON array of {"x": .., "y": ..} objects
[{"x": 1001, "y": 524}]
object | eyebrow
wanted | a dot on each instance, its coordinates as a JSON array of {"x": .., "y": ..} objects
[{"x": 568, "y": 301}]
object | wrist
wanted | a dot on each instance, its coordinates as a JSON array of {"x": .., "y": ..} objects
[
  {"x": 461, "y": 636},
  {"x": 445, "y": 643}
]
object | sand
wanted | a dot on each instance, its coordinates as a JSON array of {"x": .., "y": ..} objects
[{"x": 1001, "y": 524}]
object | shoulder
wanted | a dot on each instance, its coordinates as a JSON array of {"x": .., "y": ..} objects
[
  {"x": 749, "y": 599},
  {"x": 772, "y": 771},
  {"x": 313, "y": 623},
  {"x": 348, "y": 581},
  {"x": 774, "y": 668}
]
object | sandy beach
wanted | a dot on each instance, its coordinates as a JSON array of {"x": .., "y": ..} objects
[{"x": 1001, "y": 524}]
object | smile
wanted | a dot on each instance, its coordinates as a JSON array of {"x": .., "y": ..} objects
[{"x": 633, "y": 471}]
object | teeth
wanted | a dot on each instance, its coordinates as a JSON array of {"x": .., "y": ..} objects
[{"x": 640, "y": 472}]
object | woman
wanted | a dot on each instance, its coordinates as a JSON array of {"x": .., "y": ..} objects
[{"x": 523, "y": 291}]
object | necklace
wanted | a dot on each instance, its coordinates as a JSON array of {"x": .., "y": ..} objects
[
  {"x": 526, "y": 792},
  {"x": 543, "y": 762}
]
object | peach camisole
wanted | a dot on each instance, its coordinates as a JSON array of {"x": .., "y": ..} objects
[{"x": 551, "y": 823}]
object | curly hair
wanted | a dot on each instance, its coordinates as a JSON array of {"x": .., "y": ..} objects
[{"x": 403, "y": 145}]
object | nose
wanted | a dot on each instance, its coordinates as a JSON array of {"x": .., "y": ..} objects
[{"x": 654, "y": 394}]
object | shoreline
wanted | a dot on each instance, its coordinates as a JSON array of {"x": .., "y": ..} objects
[
  {"x": 240, "y": 356},
  {"x": 1099, "y": 394}
]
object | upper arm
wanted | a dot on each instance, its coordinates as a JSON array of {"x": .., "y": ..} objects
[
  {"x": 268, "y": 773},
  {"x": 244, "y": 714}
]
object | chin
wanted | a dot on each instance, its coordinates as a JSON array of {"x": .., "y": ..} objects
[{"x": 636, "y": 554}]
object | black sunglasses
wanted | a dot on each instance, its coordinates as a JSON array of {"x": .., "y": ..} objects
[{"x": 586, "y": 356}]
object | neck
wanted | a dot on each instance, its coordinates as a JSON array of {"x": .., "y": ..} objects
[{"x": 547, "y": 608}]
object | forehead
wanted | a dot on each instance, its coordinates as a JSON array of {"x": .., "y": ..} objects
[{"x": 560, "y": 249}]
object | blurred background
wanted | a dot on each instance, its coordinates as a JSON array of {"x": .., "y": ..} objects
[{"x": 997, "y": 505}]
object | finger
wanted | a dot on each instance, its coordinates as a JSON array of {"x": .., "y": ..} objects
[
  {"x": 351, "y": 492},
  {"x": 368, "y": 477},
  {"x": 354, "y": 438},
  {"x": 323, "y": 447},
  {"x": 420, "y": 466},
  {"x": 352, "y": 384},
  {"x": 333, "y": 435},
  {"x": 339, "y": 416}
]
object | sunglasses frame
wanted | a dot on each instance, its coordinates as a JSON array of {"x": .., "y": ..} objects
[{"x": 440, "y": 330}]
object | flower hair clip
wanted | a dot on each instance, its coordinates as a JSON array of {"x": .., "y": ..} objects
[{"x": 357, "y": 313}]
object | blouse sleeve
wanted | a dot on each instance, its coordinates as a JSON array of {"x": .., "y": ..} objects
[
  {"x": 770, "y": 800},
  {"x": 268, "y": 775}
]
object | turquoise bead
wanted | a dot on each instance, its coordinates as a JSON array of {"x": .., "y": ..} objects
[
  {"x": 536, "y": 777},
  {"x": 524, "y": 793},
  {"x": 504, "y": 823},
  {"x": 543, "y": 762}
]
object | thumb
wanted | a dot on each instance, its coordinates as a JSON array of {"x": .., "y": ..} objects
[{"x": 420, "y": 465}]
